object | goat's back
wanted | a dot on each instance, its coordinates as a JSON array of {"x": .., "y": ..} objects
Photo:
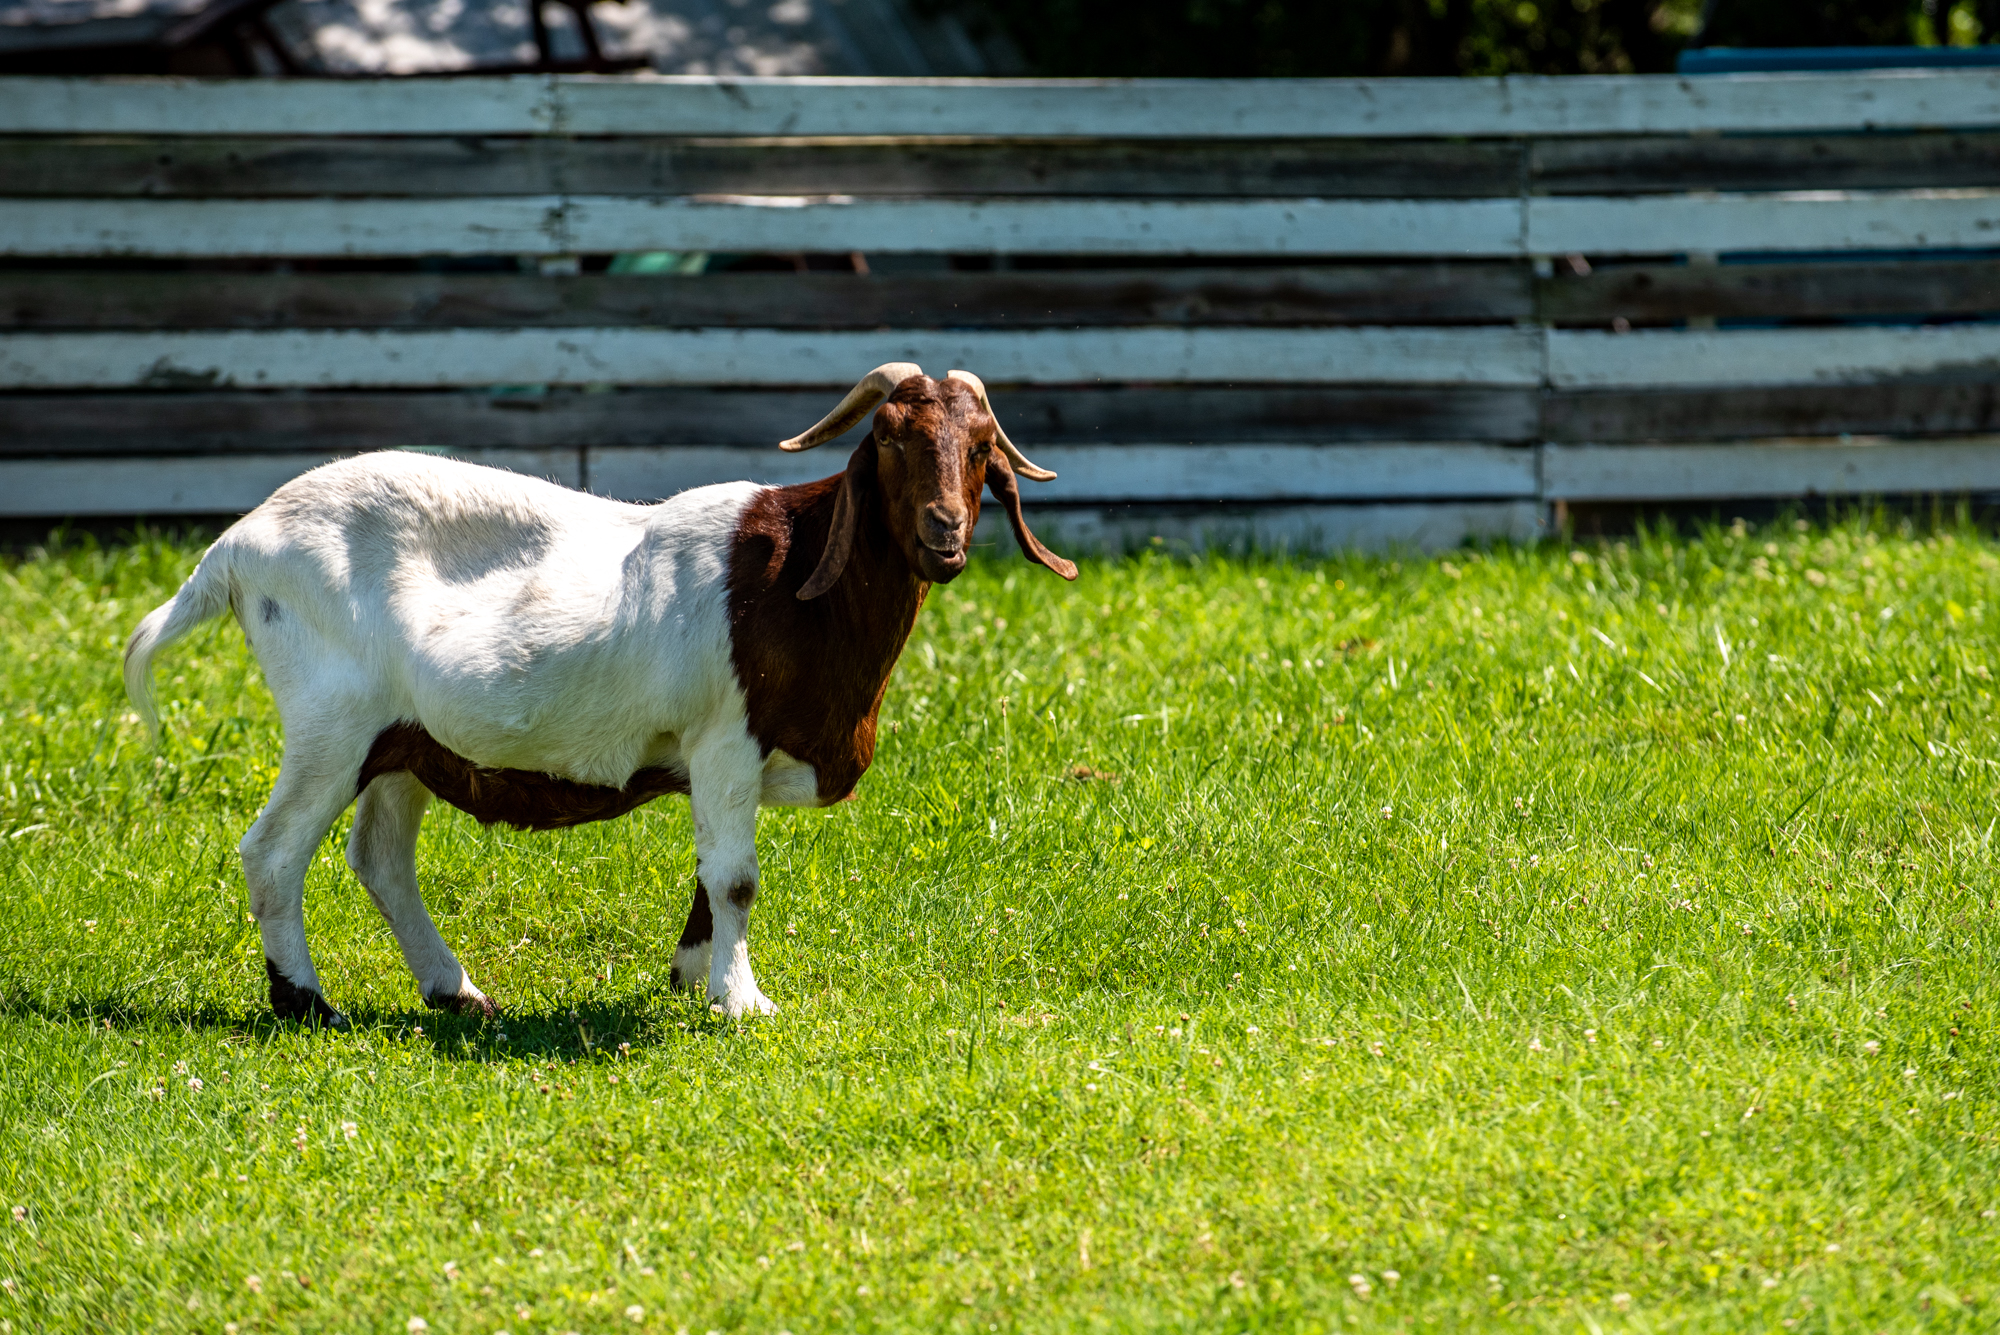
[{"x": 524, "y": 625}]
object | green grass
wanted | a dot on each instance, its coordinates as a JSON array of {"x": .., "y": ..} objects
[{"x": 1585, "y": 940}]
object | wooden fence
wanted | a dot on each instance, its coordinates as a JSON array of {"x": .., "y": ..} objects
[{"x": 1310, "y": 311}]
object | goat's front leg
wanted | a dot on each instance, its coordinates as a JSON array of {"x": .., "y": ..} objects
[{"x": 725, "y": 782}]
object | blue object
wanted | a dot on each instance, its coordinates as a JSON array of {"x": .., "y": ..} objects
[{"x": 1789, "y": 59}]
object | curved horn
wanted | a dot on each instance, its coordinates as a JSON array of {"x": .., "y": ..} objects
[
  {"x": 872, "y": 389},
  {"x": 1018, "y": 459}
]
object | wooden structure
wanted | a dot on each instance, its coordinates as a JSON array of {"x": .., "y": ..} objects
[{"x": 1313, "y": 312}]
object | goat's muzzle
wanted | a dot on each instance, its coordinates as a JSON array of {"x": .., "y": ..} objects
[
  {"x": 941, "y": 565},
  {"x": 941, "y": 534}
]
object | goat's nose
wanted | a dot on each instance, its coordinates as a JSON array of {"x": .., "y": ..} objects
[{"x": 943, "y": 520}]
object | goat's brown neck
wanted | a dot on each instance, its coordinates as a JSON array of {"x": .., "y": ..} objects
[{"x": 813, "y": 672}]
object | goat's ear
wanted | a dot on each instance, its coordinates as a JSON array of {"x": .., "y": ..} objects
[
  {"x": 846, "y": 515},
  {"x": 1007, "y": 490}
]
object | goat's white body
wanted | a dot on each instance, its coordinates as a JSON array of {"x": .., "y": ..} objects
[{"x": 525, "y": 627}]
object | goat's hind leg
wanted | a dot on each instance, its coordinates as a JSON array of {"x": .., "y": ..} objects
[
  {"x": 315, "y": 784},
  {"x": 382, "y": 850}
]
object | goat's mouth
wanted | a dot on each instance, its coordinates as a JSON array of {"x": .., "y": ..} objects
[{"x": 941, "y": 564}]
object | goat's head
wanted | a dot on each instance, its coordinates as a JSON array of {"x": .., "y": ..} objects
[{"x": 934, "y": 447}]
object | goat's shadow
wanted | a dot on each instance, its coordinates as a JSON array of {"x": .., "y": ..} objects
[{"x": 595, "y": 1030}]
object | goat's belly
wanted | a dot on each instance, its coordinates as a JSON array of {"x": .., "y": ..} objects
[{"x": 520, "y": 798}]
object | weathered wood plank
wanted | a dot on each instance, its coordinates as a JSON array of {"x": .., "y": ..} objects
[
  {"x": 238, "y": 166},
  {"x": 462, "y": 357},
  {"x": 516, "y": 105},
  {"x": 159, "y": 487},
  {"x": 1136, "y": 473},
  {"x": 1423, "y": 527},
  {"x": 1806, "y": 220},
  {"x": 338, "y": 422},
  {"x": 1887, "y": 408},
  {"x": 278, "y": 166},
  {"x": 1575, "y": 359},
  {"x": 1627, "y": 165},
  {"x": 1467, "y": 228},
  {"x": 545, "y": 225},
  {"x": 1769, "y": 469},
  {"x": 179, "y": 486},
  {"x": 1307, "y": 414},
  {"x": 1441, "y": 293},
  {"x": 1646, "y": 293},
  {"x": 1579, "y": 359},
  {"x": 1195, "y": 108}
]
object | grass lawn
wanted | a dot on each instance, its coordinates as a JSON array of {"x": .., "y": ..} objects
[{"x": 1587, "y": 940}]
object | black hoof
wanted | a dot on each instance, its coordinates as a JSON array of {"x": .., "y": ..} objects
[
  {"x": 460, "y": 1004},
  {"x": 293, "y": 1002}
]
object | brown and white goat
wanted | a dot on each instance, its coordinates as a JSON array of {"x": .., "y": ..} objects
[{"x": 542, "y": 658}]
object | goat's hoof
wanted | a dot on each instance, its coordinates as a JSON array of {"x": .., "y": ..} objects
[
  {"x": 738, "y": 1005},
  {"x": 463, "y": 1003},
  {"x": 292, "y": 1002}
]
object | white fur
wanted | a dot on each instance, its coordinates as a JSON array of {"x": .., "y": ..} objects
[{"x": 525, "y": 626}]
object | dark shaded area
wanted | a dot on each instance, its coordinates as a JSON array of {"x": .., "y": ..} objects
[
  {"x": 1291, "y": 38},
  {"x": 1925, "y": 513},
  {"x": 1245, "y": 38},
  {"x": 1827, "y": 22},
  {"x": 592, "y": 1031}
]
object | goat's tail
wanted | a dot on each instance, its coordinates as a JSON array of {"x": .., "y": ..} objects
[{"x": 203, "y": 597}]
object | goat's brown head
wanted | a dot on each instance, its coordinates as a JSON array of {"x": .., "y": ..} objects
[{"x": 934, "y": 447}]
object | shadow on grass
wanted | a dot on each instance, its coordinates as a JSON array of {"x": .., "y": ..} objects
[{"x": 543, "y": 1033}]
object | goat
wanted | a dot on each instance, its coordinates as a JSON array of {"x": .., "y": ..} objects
[{"x": 542, "y": 658}]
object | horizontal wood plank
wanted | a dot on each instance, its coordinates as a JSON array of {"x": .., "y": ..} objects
[
  {"x": 544, "y": 225},
  {"x": 549, "y": 225},
  {"x": 1888, "y": 408},
  {"x": 1804, "y": 220},
  {"x": 267, "y": 167},
  {"x": 318, "y": 166},
  {"x": 156, "y": 487},
  {"x": 1669, "y": 164},
  {"x": 1033, "y": 108},
  {"x": 180, "y": 486},
  {"x": 1439, "y": 293},
  {"x": 1422, "y": 527},
  {"x": 1134, "y": 473},
  {"x": 1579, "y": 359},
  {"x": 1575, "y": 359},
  {"x": 465, "y": 357},
  {"x": 335, "y": 422},
  {"x": 1648, "y": 293},
  {"x": 1769, "y": 469}
]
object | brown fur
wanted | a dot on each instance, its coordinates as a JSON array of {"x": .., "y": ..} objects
[
  {"x": 524, "y": 800},
  {"x": 813, "y": 649},
  {"x": 813, "y": 673}
]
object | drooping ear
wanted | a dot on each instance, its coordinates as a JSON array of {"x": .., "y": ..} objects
[
  {"x": 846, "y": 515},
  {"x": 1007, "y": 490}
]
